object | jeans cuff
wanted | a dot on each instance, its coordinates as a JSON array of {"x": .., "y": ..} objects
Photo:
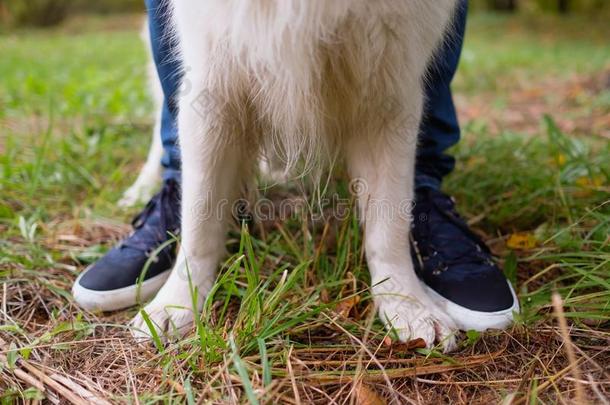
[{"x": 426, "y": 181}]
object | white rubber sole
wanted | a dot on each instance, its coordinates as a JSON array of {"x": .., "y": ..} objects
[
  {"x": 467, "y": 319},
  {"x": 115, "y": 300}
]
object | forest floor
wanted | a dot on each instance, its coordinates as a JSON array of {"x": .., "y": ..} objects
[{"x": 533, "y": 179}]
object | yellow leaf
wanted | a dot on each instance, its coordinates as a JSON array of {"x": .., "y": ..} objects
[
  {"x": 593, "y": 182},
  {"x": 474, "y": 161},
  {"x": 344, "y": 308},
  {"x": 521, "y": 241},
  {"x": 561, "y": 159}
]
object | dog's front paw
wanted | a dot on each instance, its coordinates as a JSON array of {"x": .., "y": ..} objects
[
  {"x": 171, "y": 314},
  {"x": 169, "y": 321},
  {"x": 414, "y": 318}
]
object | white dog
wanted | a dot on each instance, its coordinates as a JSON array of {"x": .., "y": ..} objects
[{"x": 307, "y": 81}]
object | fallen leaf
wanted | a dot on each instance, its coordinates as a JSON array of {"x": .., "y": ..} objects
[
  {"x": 521, "y": 241},
  {"x": 561, "y": 159},
  {"x": 324, "y": 296},
  {"x": 592, "y": 182},
  {"x": 409, "y": 346},
  {"x": 344, "y": 308}
]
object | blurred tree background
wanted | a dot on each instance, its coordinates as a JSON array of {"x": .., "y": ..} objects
[
  {"x": 51, "y": 12},
  {"x": 543, "y": 6},
  {"x": 46, "y": 13}
]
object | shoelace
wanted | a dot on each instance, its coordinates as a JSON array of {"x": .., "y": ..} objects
[
  {"x": 148, "y": 236},
  {"x": 473, "y": 250}
]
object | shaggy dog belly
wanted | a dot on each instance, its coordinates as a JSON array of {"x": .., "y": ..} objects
[{"x": 310, "y": 71}]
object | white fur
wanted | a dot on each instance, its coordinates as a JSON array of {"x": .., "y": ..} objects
[
  {"x": 307, "y": 80},
  {"x": 150, "y": 176}
]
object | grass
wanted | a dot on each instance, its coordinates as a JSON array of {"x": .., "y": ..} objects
[
  {"x": 290, "y": 319},
  {"x": 537, "y": 47}
]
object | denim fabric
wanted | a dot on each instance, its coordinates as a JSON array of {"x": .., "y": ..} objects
[
  {"x": 440, "y": 128},
  {"x": 168, "y": 69}
]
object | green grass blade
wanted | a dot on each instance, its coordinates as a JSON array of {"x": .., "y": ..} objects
[
  {"x": 153, "y": 331},
  {"x": 240, "y": 367}
]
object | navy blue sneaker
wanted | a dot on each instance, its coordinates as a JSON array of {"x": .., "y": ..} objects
[
  {"x": 457, "y": 267},
  {"x": 149, "y": 253}
]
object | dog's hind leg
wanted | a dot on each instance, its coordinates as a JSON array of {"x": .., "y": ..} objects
[
  {"x": 214, "y": 160},
  {"x": 381, "y": 164},
  {"x": 148, "y": 180},
  {"x": 150, "y": 174}
]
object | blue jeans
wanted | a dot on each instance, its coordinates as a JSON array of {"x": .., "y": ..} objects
[
  {"x": 168, "y": 69},
  {"x": 439, "y": 129}
]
